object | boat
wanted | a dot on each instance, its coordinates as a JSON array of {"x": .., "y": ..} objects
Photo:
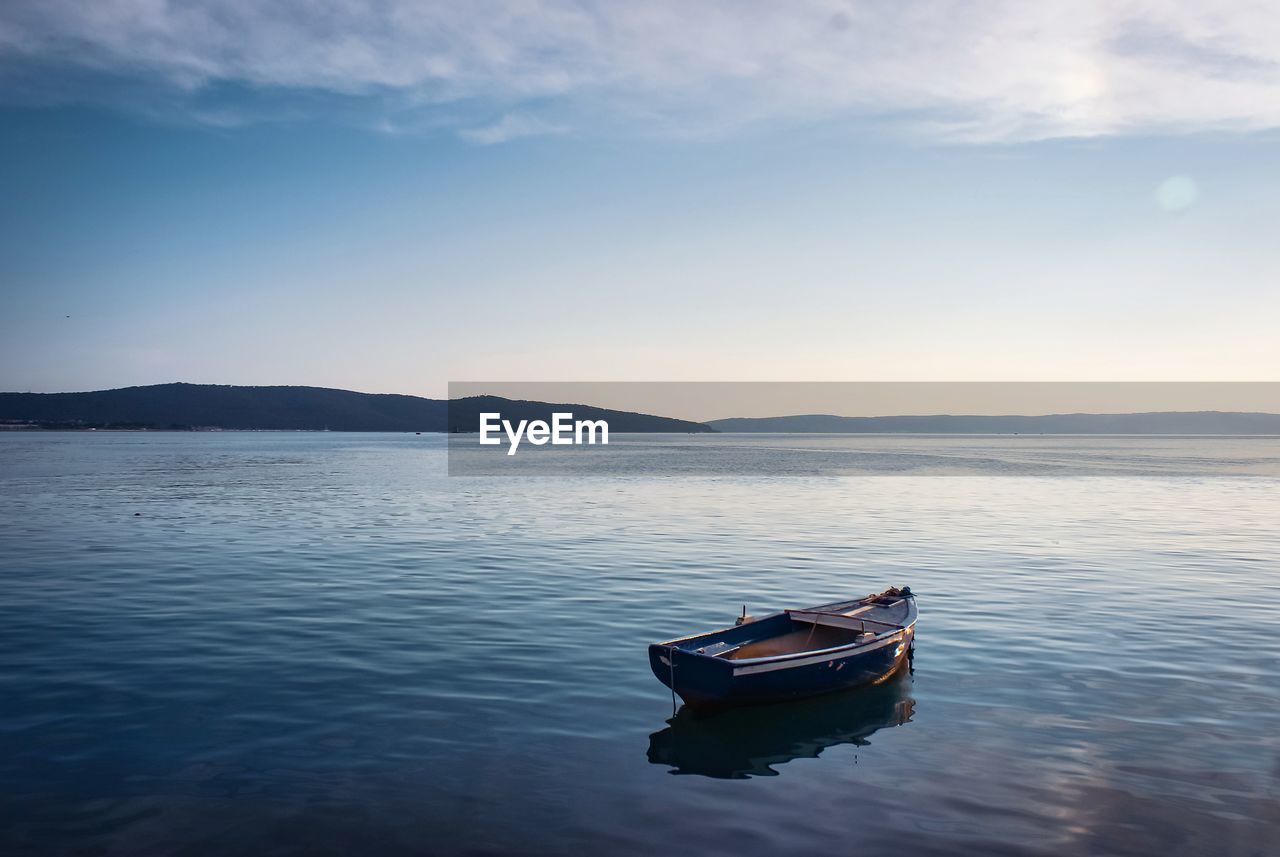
[{"x": 791, "y": 654}]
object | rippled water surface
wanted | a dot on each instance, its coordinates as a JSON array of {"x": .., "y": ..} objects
[{"x": 321, "y": 643}]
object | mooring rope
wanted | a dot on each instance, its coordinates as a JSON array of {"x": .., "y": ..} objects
[{"x": 672, "y": 663}]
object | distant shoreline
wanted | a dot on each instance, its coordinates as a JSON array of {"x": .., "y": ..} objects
[
  {"x": 40, "y": 430},
  {"x": 184, "y": 407}
]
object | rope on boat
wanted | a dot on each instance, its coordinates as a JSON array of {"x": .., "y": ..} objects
[{"x": 672, "y": 661}]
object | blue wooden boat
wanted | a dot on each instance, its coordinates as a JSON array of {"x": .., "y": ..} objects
[{"x": 791, "y": 654}]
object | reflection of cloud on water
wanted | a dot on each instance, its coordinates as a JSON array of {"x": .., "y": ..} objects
[
  {"x": 1165, "y": 804},
  {"x": 748, "y": 742}
]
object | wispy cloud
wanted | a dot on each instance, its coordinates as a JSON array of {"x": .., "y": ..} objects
[
  {"x": 511, "y": 127},
  {"x": 994, "y": 71}
]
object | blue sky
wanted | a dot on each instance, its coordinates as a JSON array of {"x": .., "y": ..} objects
[{"x": 385, "y": 197}]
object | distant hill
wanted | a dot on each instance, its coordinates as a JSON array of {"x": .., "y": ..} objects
[
  {"x": 186, "y": 406},
  {"x": 1171, "y": 422}
]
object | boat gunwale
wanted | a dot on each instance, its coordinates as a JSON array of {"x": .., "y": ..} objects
[
  {"x": 884, "y": 637},
  {"x": 671, "y": 644}
]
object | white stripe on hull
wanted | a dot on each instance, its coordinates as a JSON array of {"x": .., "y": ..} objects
[{"x": 830, "y": 655}]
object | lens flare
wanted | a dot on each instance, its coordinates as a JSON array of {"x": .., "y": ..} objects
[{"x": 1176, "y": 193}]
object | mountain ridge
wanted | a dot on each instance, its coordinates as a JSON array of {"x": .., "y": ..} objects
[{"x": 181, "y": 405}]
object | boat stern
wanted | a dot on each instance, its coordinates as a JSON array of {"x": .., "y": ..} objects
[{"x": 700, "y": 680}]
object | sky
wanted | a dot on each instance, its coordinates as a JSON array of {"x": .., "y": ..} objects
[{"x": 387, "y": 196}]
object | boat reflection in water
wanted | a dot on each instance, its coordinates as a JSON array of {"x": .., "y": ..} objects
[{"x": 746, "y": 742}]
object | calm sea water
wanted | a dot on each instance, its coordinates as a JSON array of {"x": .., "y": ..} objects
[{"x": 321, "y": 644}]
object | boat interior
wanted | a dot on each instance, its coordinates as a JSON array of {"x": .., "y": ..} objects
[
  {"x": 808, "y": 637},
  {"x": 825, "y": 627}
]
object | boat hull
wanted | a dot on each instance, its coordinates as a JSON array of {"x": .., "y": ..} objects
[{"x": 709, "y": 682}]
